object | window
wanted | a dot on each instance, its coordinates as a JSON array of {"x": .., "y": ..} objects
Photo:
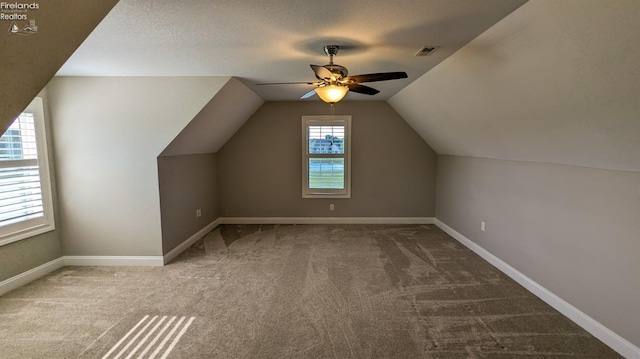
[
  {"x": 326, "y": 156},
  {"x": 25, "y": 189}
]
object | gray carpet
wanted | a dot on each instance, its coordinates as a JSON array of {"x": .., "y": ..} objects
[{"x": 305, "y": 291}]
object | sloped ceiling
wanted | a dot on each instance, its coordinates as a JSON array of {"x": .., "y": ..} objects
[
  {"x": 555, "y": 82},
  {"x": 261, "y": 41},
  {"x": 217, "y": 121},
  {"x": 29, "y": 62}
]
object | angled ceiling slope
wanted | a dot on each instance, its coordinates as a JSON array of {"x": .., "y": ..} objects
[
  {"x": 553, "y": 82},
  {"x": 214, "y": 125},
  {"x": 29, "y": 62},
  {"x": 261, "y": 41}
]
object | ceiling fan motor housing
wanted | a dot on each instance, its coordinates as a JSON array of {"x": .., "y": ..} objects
[{"x": 338, "y": 70}]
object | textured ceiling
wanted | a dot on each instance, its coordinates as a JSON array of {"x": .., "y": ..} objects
[{"x": 275, "y": 41}]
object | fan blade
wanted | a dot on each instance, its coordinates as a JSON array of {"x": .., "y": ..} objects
[
  {"x": 322, "y": 73},
  {"x": 308, "y": 94},
  {"x": 362, "y": 89},
  {"x": 382, "y": 76},
  {"x": 288, "y": 83}
]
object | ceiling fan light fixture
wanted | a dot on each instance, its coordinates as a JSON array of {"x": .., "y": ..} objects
[{"x": 331, "y": 93}]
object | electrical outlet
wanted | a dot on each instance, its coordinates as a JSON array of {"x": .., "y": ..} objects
[
  {"x": 482, "y": 226},
  {"x": 198, "y": 212},
  {"x": 332, "y": 207}
]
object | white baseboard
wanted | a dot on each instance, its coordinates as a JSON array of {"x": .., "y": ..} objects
[
  {"x": 190, "y": 241},
  {"x": 326, "y": 220},
  {"x": 30, "y": 275},
  {"x": 157, "y": 261},
  {"x": 616, "y": 342},
  {"x": 42, "y": 270},
  {"x": 110, "y": 261}
]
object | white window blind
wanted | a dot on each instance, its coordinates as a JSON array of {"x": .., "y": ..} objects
[
  {"x": 25, "y": 197},
  {"x": 20, "y": 191}
]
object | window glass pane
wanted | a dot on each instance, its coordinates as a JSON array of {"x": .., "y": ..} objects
[
  {"x": 326, "y": 173},
  {"x": 326, "y": 139},
  {"x": 19, "y": 141}
]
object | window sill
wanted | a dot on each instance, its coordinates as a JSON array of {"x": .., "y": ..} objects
[{"x": 26, "y": 233}]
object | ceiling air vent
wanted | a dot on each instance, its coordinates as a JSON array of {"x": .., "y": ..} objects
[{"x": 426, "y": 51}]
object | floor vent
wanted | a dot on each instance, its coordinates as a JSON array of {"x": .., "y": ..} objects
[{"x": 153, "y": 337}]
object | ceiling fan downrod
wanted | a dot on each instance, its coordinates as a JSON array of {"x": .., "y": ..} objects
[{"x": 331, "y": 51}]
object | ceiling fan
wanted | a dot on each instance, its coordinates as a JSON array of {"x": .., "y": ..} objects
[{"x": 334, "y": 83}]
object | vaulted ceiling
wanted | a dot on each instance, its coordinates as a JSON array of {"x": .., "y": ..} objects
[
  {"x": 276, "y": 41},
  {"x": 554, "y": 82},
  {"x": 542, "y": 81}
]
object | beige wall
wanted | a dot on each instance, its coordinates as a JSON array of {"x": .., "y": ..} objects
[
  {"x": 108, "y": 132},
  {"x": 260, "y": 168},
  {"x": 28, "y": 63},
  {"x": 187, "y": 183},
  {"x": 29, "y": 253},
  {"x": 573, "y": 230},
  {"x": 559, "y": 120}
]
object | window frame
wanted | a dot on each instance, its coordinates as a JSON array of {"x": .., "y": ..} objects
[
  {"x": 28, "y": 228},
  {"x": 326, "y": 120}
]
